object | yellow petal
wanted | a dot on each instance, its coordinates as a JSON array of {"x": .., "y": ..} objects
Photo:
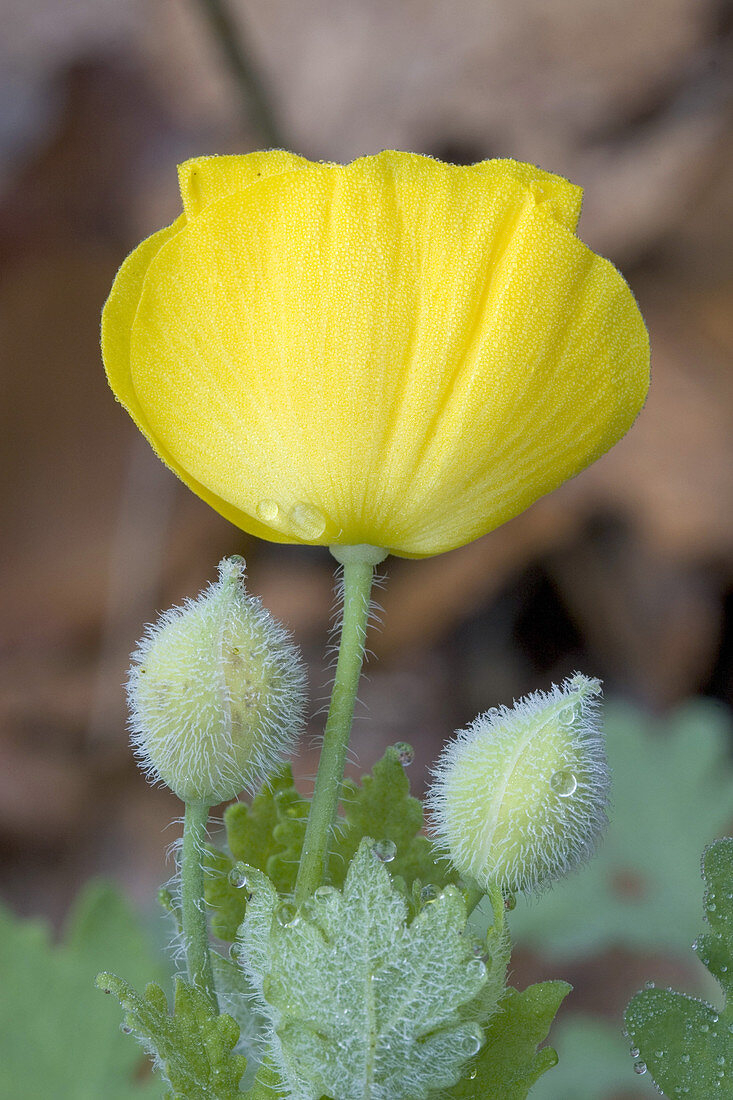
[
  {"x": 203, "y": 180},
  {"x": 397, "y": 352}
]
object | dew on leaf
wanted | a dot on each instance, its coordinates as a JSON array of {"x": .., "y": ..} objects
[{"x": 384, "y": 850}]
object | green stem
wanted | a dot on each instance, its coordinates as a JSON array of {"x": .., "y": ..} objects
[
  {"x": 358, "y": 563},
  {"x": 193, "y": 910}
]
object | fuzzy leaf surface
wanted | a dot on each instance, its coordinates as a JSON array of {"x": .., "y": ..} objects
[
  {"x": 267, "y": 834},
  {"x": 382, "y": 807},
  {"x": 509, "y": 1063},
  {"x": 56, "y": 1039},
  {"x": 685, "y": 1043},
  {"x": 193, "y": 1046},
  {"x": 363, "y": 1004},
  {"x": 672, "y": 794}
]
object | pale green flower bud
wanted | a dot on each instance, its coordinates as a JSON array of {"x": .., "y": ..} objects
[
  {"x": 519, "y": 798},
  {"x": 216, "y": 693}
]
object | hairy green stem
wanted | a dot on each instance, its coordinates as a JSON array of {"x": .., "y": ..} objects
[
  {"x": 358, "y": 563},
  {"x": 193, "y": 909},
  {"x": 254, "y": 95}
]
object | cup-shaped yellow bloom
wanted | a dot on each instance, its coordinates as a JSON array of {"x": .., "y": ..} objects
[{"x": 396, "y": 351}]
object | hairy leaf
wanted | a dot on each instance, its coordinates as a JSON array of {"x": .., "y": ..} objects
[
  {"x": 192, "y": 1047},
  {"x": 509, "y": 1063},
  {"x": 672, "y": 794},
  {"x": 382, "y": 808},
  {"x": 361, "y": 1003},
  {"x": 266, "y": 834},
  {"x": 56, "y": 1038},
  {"x": 687, "y": 1044}
]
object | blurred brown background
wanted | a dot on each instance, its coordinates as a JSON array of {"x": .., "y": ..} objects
[{"x": 625, "y": 573}]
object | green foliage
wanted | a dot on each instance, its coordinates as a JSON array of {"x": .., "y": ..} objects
[
  {"x": 672, "y": 794},
  {"x": 238, "y": 999},
  {"x": 193, "y": 1046},
  {"x": 509, "y": 1064},
  {"x": 360, "y": 1001},
  {"x": 268, "y": 835},
  {"x": 383, "y": 808},
  {"x": 56, "y": 1038},
  {"x": 685, "y": 1043}
]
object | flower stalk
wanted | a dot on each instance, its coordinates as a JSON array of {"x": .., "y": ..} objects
[
  {"x": 193, "y": 909},
  {"x": 358, "y": 563}
]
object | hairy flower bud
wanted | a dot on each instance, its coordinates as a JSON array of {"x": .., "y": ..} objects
[
  {"x": 519, "y": 797},
  {"x": 216, "y": 693}
]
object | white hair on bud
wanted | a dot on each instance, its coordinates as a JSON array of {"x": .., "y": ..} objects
[
  {"x": 216, "y": 693},
  {"x": 519, "y": 798}
]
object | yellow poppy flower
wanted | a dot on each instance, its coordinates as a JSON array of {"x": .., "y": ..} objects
[{"x": 397, "y": 351}]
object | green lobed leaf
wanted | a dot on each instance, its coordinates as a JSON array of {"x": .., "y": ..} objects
[
  {"x": 672, "y": 794},
  {"x": 361, "y": 1002},
  {"x": 268, "y": 835},
  {"x": 193, "y": 1046},
  {"x": 685, "y": 1043},
  {"x": 56, "y": 1038},
  {"x": 509, "y": 1063},
  {"x": 382, "y": 808}
]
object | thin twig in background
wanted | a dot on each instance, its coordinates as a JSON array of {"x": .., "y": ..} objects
[{"x": 255, "y": 97}]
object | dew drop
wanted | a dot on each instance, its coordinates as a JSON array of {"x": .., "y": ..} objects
[
  {"x": 634, "y": 1052},
  {"x": 238, "y": 876},
  {"x": 649, "y": 985},
  {"x": 268, "y": 510},
  {"x": 563, "y": 783},
  {"x": 684, "y": 1057},
  {"x": 472, "y": 1041},
  {"x": 473, "y": 1074},
  {"x": 236, "y": 951},
  {"x": 639, "y": 1067},
  {"x": 704, "y": 1027},
  {"x": 325, "y": 893},
  {"x": 510, "y": 902},
  {"x": 405, "y": 753},
  {"x": 477, "y": 969},
  {"x": 384, "y": 850},
  {"x": 125, "y": 1029},
  {"x": 286, "y": 915},
  {"x": 429, "y": 894},
  {"x": 309, "y": 521}
]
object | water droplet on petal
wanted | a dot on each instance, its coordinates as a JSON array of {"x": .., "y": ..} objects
[
  {"x": 238, "y": 876},
  {"x": 405, "y": 752},
  {"x": 126, "y": 1029},
  {"x": 385, "y": 850},
  {"x": 429, "y": 894},
  {"x": 325, "y": 893},
  {"x": 236, "y": 951},
  {"x": 268, "y": 510},
  {"x": 563, "y": 783},
  {"x": 639, "y": 1067},
  {"x": 634, "y": 1052},
  {"x": 286, "y": 915},
  {"x": 309, "y": 521},
  {"x": 649, "y": 985}
]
